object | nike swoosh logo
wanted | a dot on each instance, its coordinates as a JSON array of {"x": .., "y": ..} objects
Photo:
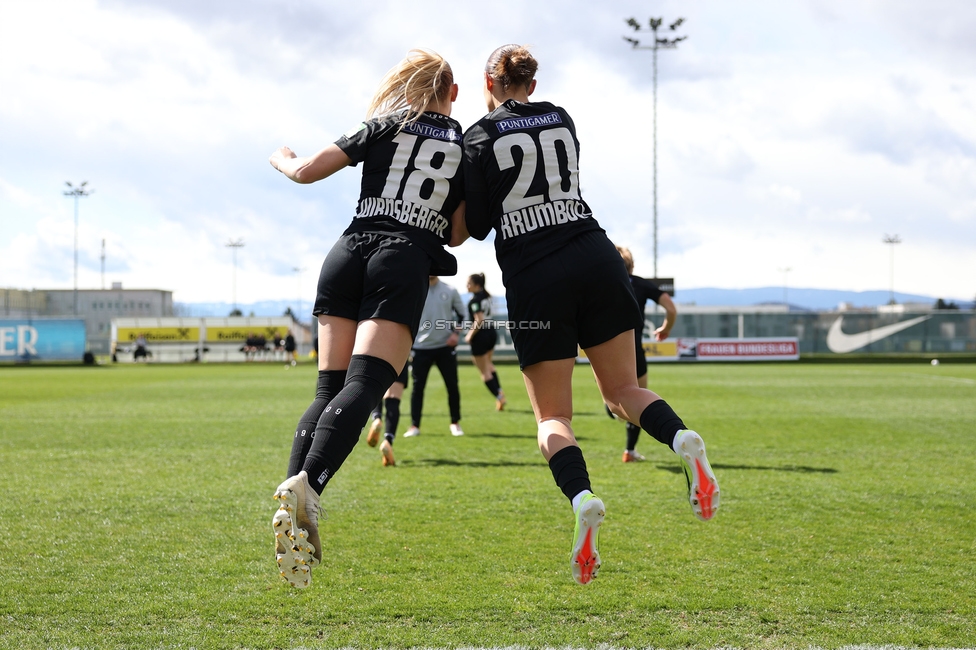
[{"x": 842, "y": 343}]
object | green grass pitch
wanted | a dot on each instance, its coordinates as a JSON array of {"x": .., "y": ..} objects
[{"x": 137, "y": 508}]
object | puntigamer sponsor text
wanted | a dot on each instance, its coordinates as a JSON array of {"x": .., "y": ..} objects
[{"x": 518, "y": 123}]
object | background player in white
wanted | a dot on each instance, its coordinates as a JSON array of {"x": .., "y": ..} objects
[
  {"x": 373, "y": 282},
  {"x": 565, "y": 286},
  {"x": 436, "y": 344}
]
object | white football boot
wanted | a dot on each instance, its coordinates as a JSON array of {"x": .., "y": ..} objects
[
  {"x": 295, "y": 524},
  {"x": 703, "y": 492}
]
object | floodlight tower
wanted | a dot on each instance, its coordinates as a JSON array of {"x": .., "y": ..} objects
[
  {"x": 298, "y": 271},
  {"x": 892, "y": 240},
  {"x": 656, "y": 44},
  {"x": 77, "y": 193},
  {"x": 785, "y": 271},
  {"x": 234, "y": 245}
]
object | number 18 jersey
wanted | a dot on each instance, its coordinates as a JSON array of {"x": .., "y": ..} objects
[
  {"x": 521, "y": 178},
  {"x": 412, "y": 181}
]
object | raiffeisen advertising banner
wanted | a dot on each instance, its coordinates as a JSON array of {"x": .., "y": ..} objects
[{"x": 42, "y": 340}]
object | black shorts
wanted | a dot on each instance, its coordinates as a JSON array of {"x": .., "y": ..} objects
[
  {"x": 579, "y": 295},
  {"x": 369, "y": 275},
  {"x": 483, "y": 342},
  {"x": 404, "y": 376}
]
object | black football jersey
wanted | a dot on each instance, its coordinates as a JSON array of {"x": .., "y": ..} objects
[
  {"x": 412, "y": 180},
  {"x": 645, "y": 290},
  {"x": 521, "y": 171},
  {"x": 480, "y": 301}
]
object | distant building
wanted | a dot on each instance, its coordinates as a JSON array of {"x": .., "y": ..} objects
[{"x": 97, "y": 307}]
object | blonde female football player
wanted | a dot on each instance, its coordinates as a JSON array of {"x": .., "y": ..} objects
[
  {"x": 373, "y": 282},
  {"x": 566, "y": 286}
]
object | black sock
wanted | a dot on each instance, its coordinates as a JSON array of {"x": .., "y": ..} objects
[
  {"x": 389, "y": 437},
  {"x": 569, "y": 469},
  {"x": 330, "y": 382},
  {"x": 633, "y": 435},
  {"x": 493, "y": 384},
  {"x": 392, "y": 416},
  {"x": 377, "y": 413},
  {"x": 342, "y": 421},
  {"x": 659, "y": 420}
]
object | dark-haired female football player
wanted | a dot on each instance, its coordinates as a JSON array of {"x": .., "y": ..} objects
[
  {"x": 391, "y": 402},
  {"x": 565, "y": 286},
  {"x": 644, "y": 290},
  {"x": 373, "y": 282},
  {"x": 482, "y": 337}
]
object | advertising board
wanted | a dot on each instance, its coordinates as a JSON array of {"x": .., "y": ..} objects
[
  {"x": 42, "y": 340},
  {"x": 755, "y": 349}
]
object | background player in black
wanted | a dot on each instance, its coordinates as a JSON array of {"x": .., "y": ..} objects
[
  {"x": 373, "y": 282},
  {"x": 291, "y": 349},
  {"x": 482, "y": 337},
  {"x": 391, "y": 400},
  {"x": 565, "y": 286},
  {"x": 644, "y": 290}
]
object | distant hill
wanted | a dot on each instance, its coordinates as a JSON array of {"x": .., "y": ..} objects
[
  {"x": 262, "y": 308},
  {"x": 812, "y": 299}
]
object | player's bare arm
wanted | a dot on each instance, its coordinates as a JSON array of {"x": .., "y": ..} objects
[
  {"x": 309, "y": 169},
  {"x": 670, "y": 316}
]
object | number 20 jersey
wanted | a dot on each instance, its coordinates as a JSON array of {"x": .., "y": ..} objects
[
  {"x": 412, "y": 181},
  {"x": 521, "y": 175}
]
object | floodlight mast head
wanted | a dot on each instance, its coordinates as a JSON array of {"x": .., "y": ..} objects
[
  {"x": 670, "y": 43},
  {"x": 77, "y": 191}
]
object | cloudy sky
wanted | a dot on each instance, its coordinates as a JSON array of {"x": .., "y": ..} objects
[{"x": 791, "y": 135}]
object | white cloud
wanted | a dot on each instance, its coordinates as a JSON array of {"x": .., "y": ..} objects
[
  {"x": 781, "y": 192},
  {"x": 792, "y": 134},
  {"x": 852, "y": 214}
]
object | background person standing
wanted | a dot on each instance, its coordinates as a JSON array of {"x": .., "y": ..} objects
[
  {"x": 436, "y": 343},
  {"x": 291, "y": 349},
  {"x": 482, "y": 337},
  {"x": 391, "y": 400}
]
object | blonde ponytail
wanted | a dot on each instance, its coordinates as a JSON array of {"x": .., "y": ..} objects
[{"x": 422, "y": 78}]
